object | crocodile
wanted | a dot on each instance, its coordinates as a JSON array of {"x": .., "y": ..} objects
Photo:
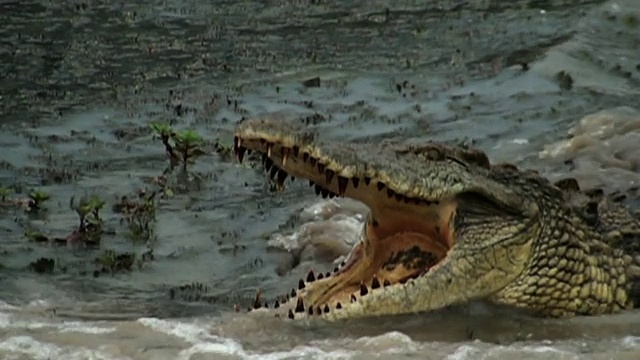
[{"x": 447, "y": 227}]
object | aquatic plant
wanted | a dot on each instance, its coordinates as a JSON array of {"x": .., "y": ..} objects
[
  {"x": 183, "y": 146},
  {"x": 36, "y": 198},
  {"x": 188, "y": 143},
  {"x": 111, "y": 262},
  {"x": 90, "y": 226},
  {"x": 165, "y": 132},
  {"x": 139, "y": 214},
  {"x": 4, "y": 192}
]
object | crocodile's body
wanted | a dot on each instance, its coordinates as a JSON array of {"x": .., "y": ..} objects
[{"x": 447, "y": 227}]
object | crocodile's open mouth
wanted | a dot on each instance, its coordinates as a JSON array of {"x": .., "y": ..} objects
[{"x": 404, "y": 236}]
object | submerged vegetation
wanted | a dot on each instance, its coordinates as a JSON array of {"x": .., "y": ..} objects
[{"x": 135, "y": 212}]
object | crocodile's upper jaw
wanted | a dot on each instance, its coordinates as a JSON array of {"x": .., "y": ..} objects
[
  {"x": 408, "y": 235},
  {"x": 405, "y": 239}
]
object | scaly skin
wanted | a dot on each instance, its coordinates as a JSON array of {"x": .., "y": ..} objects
[{"x": 447, "y": 227}]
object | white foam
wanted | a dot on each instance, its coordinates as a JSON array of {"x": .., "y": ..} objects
[
  {"x": 34, "y": 349},
  {"x": 464, "y": 352},
  {"x": 87, "y": 328},
  {"x": 203, "y": 342}
]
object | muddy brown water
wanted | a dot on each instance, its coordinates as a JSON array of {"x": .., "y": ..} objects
[{"x": 81, "y": 81}]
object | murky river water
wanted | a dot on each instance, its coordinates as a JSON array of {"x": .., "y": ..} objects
[{"x": 81, "y": 81}]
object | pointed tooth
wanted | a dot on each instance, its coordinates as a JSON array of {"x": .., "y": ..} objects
[
  {"x": 296, "y": 151},
  {"x": 399, "y": 197},
  {"x": 310, "y": 311},
  {"x": 318, "y": 189},
  {"x": 273, "y": 172},
  {"x": 327, "y": 274},
  {"x": 266, "y": 305},
  {"x": 290, "y": 315},
  {"x": 338, "y": 306},
  {"x": 375, "y": 283},
  {"x": 269, "y": 149},
  {"x": 320, "y": 276},
  {"x": 363, "y": 289},
  {"x": 300, "y": 284},
  {"x": 356, "y": 182},
  {"x": 329, "y": 175},
  {"x": 237, "y": 143},
  {"x": 276, "y": 304},
  {"x": 282, "y": 176},
  {"x": 332, "y": 195},
  {"x": 386, "y": 283},
  {"x": 300, "y": 306},
  {"x": 311, "y": 183},
  {"x": 285, "y": 155},
  {"x": 326, "y": 308},
  {"x": 342, "y": 185},
  {"x": 325, "y": 193},
  {"x": 293, "y": 293},
  {"x": 389, "y": 193},
  {"x": 380, "y": 186},
  {"x": 321, "y": 168},
  {"x": 353, "y": 298},
  {"x": 311, "y": 276},
  {"x": 367, "y": 180},
  {"x": 305, "y": 157},
  {"x": 312, "y": 161},
  {"x": 268, "y": 164},
  {"x": 336, "y": 269},
  {"x": 240, "y": 153}
]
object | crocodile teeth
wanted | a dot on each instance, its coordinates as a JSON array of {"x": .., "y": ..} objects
[
  {"x": 363, "y": 289},
  {"x": 268, "y": 164},
  {"x": 296, "y": 151},
  {"x": 290, "y": 315},
  {"x": 329, "y": 175},
  {"x": 325, "y": 193},
  {"x": 342, "y": 185},
  {"x": 273, "y": 172},
  {"x": 237, "y": 142},
  {"x": 310, "y": 311},
  {"x": 386, "y": 283},
  {"x": 318, "y": 189},
  {"x": 269, "y": 149},
  {"x": 338, "y": 306},
  {"x": 379, "y": 185},
  {"x": 285, "y": 155},
  {"x": 355, "y": 181},
  {"x": 300, "y": 306},
  {"x": 318, "y": 311},
  {"x": 282, "y": 176},
  {"x": 240, "y": 153},
  {"x": 375, "y": 283},
  {"x": 311, "y": 276},
  {"x": 320, "y": 276},
  {"x": 293, "y": 292},
  {"x": 326, "y": 308},
  {"x": 300, "y": 284},
  {"x": 276, "y": 304},
  {"x": 353, "y": 298},
  {"x": 321, "y": 168},
  {"x": 327, "y": 274},
  {"x": 305, "y": 156}
]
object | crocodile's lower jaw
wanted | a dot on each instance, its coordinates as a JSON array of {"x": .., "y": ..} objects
[{"x": 402, "y": 239}]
